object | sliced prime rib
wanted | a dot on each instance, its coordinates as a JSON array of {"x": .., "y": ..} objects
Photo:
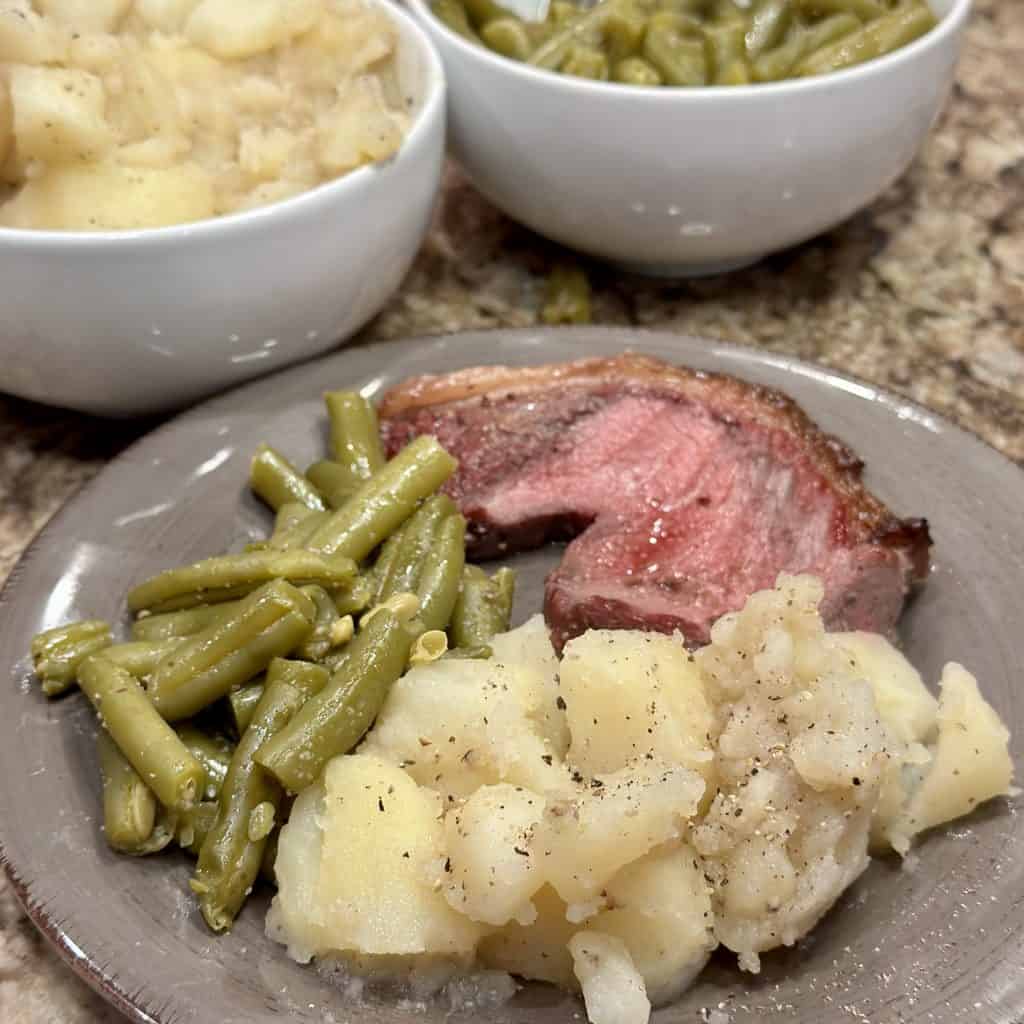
[{"x": 685, "y": 492}]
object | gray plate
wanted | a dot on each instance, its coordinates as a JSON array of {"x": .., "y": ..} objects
[{"x": 942, "y": 942}]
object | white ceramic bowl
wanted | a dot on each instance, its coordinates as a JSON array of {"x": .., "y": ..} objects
[
  {"x": 139, "y": 321},
  {"x": 690, "y": 180}
]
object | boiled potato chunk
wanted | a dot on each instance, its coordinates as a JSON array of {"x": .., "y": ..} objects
[
  {"x": 359, "y": 129},
  {"x": 235, "y": 29},
  {"x": 111, "y": 197},
  {"x": 616, "y": 818},
  {"x": 461, "y": 724},
  {"x": 86, "y": 15},
  {"x": 6, "y": 123},
  {"x": 907, "y": 708},
  {"x": 613, "y": 990},
  {"x": 539, "y": 950},
  {"x": 529, "y": 649},
  {"x": 296, "y": 916},
  {"x": 493, "y": 868},
  {"x": 28, "y": 38},
  {"x": 662, "y": 912},
  {"x": 628, "y": 694},
  {"x": 381, "y": 842},
  {"x": 971, "y": 761},
  {"x": 58, "y": 114},
  {"x": 165, "y": 15}
]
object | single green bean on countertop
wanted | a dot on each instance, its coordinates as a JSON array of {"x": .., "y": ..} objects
[
  {"x": 57, "y": 653},
  {"x": 225, "y": 576},
  {"x": 152, "y": 747},
  {"x": 232, "y": 852},
  {"x": 567, "y": 294},
  {"x": 269, "y": 624},
  {"x": 278, "y": 482},
  {"x": 355, "y": 433},
  {"x": 336, "y": 719},
  {"x": 129, "y": 805},
  {"x": 385, "y": 501}
]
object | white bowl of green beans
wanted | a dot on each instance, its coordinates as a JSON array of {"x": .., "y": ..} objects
[{"x": 692, "y": 136}]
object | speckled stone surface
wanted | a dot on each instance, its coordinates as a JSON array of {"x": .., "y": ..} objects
[{"x": 922, "y": 293}]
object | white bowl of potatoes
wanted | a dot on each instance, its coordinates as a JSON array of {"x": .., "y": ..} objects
[{"x": 195, "y": 192}]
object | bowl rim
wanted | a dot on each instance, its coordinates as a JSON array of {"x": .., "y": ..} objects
[
  {"x": 949, "y": 24},
  {"x": 430, "y": 114}
]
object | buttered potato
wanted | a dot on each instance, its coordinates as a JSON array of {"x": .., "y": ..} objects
[
  {"x": 604, "y": 821},
  {"x": 120, "y": 114}
]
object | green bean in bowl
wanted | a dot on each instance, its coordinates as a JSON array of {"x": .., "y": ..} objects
[
  {"x": 694, "y": 42},
  {"x": 241, "y": 674}
]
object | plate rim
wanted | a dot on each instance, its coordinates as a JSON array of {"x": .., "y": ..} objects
[{"x": 79, "y": 960}]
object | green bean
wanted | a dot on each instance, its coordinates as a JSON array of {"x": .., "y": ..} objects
[
  {"x": 230, "y": 576},
  {"x": 901, "y": 26},
  {"x": 562, "y": 11},
  {"x": 679, "y": 58},
  {"x": 129, "y": 806},
  {"x": 270, "y": 623},
  {"x": 295, "y": 538},
  {"x": 278, "y": 482},
  {"x": 357, "y": 597},
  {"x": 863, "y": 10},
  {"x": 336, "y": 482},
  {"x": 736, "y": 73},
  {"x": 320, "y": 640},
  {"x": 453, "y": 14},
  {"x": 567, "y": 294},
  {"x": 355, "y": 433},
  {"x": 477, "y": 653},
  {"x": 416, "y": 540},
  {"x": 177, "y": 625},
  {"x": 484, "y": 607},
  {"x": 57, "y": 653},
  {"x": 439, "y": 582},
  {"x": 212, "y": 752},
  {"x": 584, "y": 28},
  {"x": 727, "y": 47},
  {"x": 335, "y": 720},
  {"x": 631, "y": 71},
  {"x": 509, "y": 37},
  {"x": 778, "y": 63},
  {"x": 193, "y": 826},
  {"x": 152, "y": 747},
  {"x": 385, "y": 501},
  {"x": 767, "y": 27},
  {"x": 243, "y": 703},
  {"x": 288, "y": 517},
  {"x": 141, "y": 657},
  {"x": 482, "y": 11},
  {"x": 232, "y": 852}
]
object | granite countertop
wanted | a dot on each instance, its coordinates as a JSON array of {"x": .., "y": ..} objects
[{"x": 922, "y": 293}]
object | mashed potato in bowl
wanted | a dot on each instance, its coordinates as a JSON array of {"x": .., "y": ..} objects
[
  {"x": 118, "y": 114},
  {"x": 605, "y": 821}
]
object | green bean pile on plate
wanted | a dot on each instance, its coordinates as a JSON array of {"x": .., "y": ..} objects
[
  {"x": 694, "y": 42},
  {"x": 246, "y": 673}
]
